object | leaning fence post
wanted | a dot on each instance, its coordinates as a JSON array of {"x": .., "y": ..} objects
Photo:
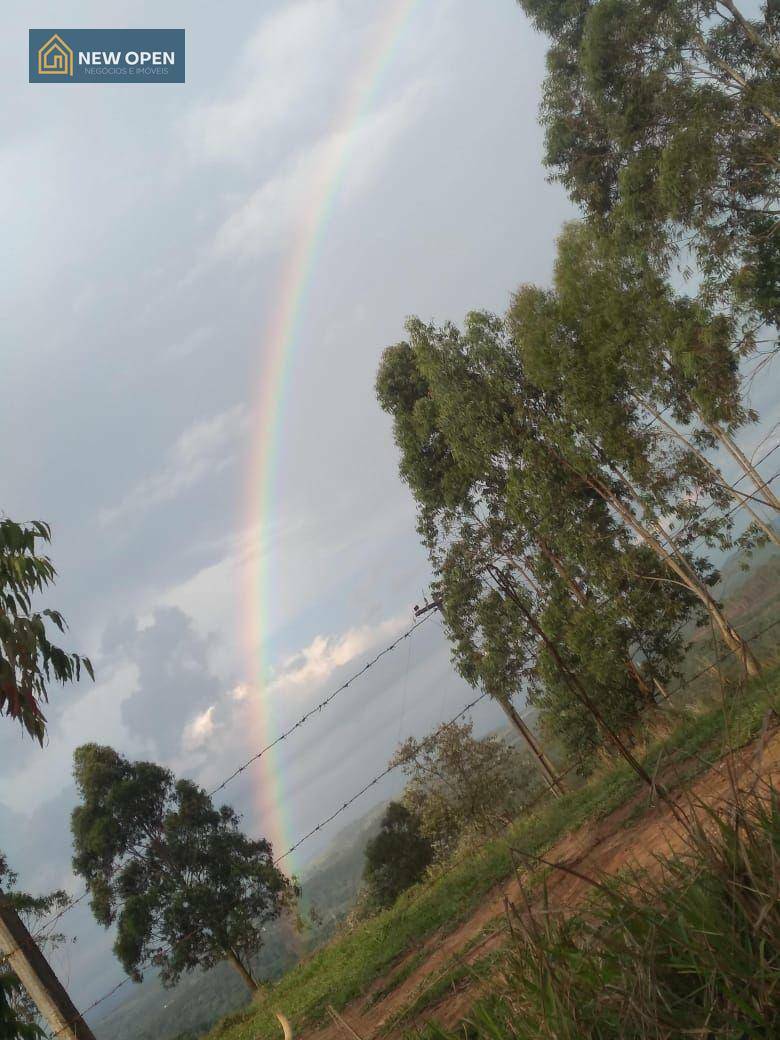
[{"x": 36, "y": 975}]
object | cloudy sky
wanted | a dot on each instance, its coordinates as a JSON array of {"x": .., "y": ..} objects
[{"x": 147, "y": 233}]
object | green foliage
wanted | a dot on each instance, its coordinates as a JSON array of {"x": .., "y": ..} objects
[
  {"x": 183, "y": 885},
  {"x": 397, "y": 857},
  {"x": 543, "y": 585},
  {"x": 662, "y": 120},
  {"x": 345, "y": 969},
  {"x": 460, "y": 787},
  {"x": 29, "y": 661},
  {"x": 12, "y": 1026}
]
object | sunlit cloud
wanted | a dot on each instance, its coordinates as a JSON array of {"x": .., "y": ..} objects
[
  {"x": 324, "y": 655},
  {"x": 199, "y": 730}
]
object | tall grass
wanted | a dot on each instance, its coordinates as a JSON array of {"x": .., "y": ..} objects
[{"x": 690, "y": 950}]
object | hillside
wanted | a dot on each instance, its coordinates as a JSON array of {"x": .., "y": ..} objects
[
  {"x": 412, "y": 964},
  {"x": 330, "y": 883}
]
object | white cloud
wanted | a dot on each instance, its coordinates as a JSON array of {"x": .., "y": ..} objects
[
  {"x": 203, "y": 448},
  {"x": 296, "y": 194},
  {"x": 324, "y": 655},
  {"x": 281, "y": 64},
  {"x": 199, "y": 730}
]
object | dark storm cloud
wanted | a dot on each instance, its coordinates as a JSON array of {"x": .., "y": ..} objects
[{"x": 174, "y": 679}]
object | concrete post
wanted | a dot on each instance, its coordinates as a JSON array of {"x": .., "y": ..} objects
[{"x": 35, "y": 973}]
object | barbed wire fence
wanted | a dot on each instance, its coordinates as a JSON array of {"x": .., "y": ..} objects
[
  {"x": 321, "y": 705},
  {"x": 317, "y": 710},
  {"x": 306, "y": 717},
  {"x": 544, "y": 794}
]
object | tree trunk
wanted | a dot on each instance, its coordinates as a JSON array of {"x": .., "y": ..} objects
[
  {"x": 679, "y": 566},
  {"x": 744, "y": 462},
  {"x": 235, "y": 962},
  {"x": 743, "y": 500},
  {"x": 662, "y": 690},
  {"x": 579, "y": 690},
  {"x": 546, "y": 766},
  {"x": 749, "y": 31},
  {"x": 736, "y": 76},
  {"x": 583, "y": 599}
]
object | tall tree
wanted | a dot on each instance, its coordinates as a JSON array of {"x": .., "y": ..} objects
[
  {"x": 634, "y": 363},
  {"x": 184, "y": 886},
  {"x": 29, "y": 661},
  {"x": 506, "y": 518},
  {"x": 663, "y": 118}
]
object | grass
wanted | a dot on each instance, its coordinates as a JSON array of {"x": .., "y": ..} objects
[
  {"x": 348, "y": 965},
  {"x": 446, "y": 981},
  {"x": 397, "y": 978},
  {"x": 430, "y": 995},
  {"x": 691, "y": 951}
]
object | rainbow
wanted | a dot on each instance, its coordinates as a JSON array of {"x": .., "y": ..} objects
[{"x": 279, "y": 344}]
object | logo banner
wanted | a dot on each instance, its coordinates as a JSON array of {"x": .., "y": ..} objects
[{"x": 106, "y": 55}]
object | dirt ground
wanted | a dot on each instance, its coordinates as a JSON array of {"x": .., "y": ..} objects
[{"x": 627, "y": 837}]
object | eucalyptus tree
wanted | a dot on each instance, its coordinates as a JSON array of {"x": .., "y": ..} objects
[
  {"x": 29, "y": 661},
  {"x": 506, "y": 522},
  {"x": 397, "y": 857},
  {"x": 184, "y": 886},
  {"x": 608, "y": 338},
  {"x": 459, "y": 786},
  {"x": 663, "y": 118},
  {"x": 634, "y": 362}
]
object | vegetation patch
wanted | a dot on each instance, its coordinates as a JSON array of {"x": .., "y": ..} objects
[{"x": 343, "y": 970}]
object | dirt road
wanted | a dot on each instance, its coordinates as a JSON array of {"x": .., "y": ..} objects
[{"x": 632, "y": 835}]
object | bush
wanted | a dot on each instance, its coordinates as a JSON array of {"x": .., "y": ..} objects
[
  {"x": 397, "y": 857},
  {"x": 461, "y": 787}
]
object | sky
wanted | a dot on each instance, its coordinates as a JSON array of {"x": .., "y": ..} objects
[{"x": 148, "y": 230}]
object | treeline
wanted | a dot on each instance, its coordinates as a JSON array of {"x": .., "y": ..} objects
[{"x": 566, "y": 457}]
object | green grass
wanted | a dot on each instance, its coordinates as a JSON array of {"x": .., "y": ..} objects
[
  {"x": 690, "y": 950},
  {"x": 346, "y": 967},
  {"x": 445, "y": 982},
  {"x": 397, "y": 978},
  {"x": 431, "y": 994}
]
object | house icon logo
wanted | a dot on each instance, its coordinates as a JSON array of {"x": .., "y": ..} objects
[{"x": 55, "y": 58}]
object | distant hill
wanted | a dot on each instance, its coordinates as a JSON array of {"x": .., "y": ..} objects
[{"x": 329, "y": 884}]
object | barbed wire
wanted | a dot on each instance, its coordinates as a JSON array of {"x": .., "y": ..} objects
[
  {"x": 318, "y": 707},
  {"x": 670, "y": 539},
  {"x": 316, "y": 710},
  {"x": 544, "y": 793},
  {"x": 314, "y": 830},
  {"x": 380, "y": 776}
]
